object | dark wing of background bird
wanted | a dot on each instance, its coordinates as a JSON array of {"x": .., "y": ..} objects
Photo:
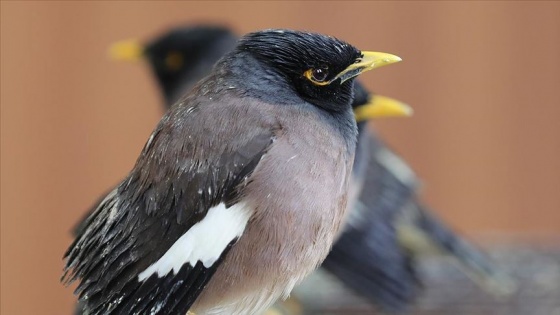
[
  {"x": 174, "y": 183},
  {"x": 389, "y": 229},
  {"x": 422, "y": 233}
]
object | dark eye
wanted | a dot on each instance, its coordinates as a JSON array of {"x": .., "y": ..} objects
[
  {"x": 173, "y": 61},
  {"x": 319, "y": 74}
]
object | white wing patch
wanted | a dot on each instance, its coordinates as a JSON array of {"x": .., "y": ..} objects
[
  {"x": 396, "y": 166},
  {"x": 204, "y": 241}
]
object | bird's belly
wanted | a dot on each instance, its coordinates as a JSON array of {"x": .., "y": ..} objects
[
  {"x": 290, "y": 234},
  {"x": 264, "y": 266}
]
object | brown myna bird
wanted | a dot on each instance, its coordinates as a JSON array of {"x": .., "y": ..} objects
[
  {"x": 240, "y": 190},
  {"x": 389, "y": 229}
]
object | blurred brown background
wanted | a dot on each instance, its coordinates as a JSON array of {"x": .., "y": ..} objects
[{"x": 484, "y": 79}]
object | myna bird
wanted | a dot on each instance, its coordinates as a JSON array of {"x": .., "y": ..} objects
[
  {"x": 239, "y": 191},
  {"x": 389, "y": 228}
]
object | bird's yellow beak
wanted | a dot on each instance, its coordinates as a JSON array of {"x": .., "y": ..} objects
[
  {"x": 382, "y": 106},
  {"x": 127, "y": 50},
  {"x": 370, "y": 60}
]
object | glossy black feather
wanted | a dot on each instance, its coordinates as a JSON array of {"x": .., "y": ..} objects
[{"x": 277, "y": 48}]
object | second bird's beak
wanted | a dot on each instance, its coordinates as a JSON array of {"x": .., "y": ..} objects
[
  {"x": 370, "y": 60},
  {"x": 382, "y": 106},
  {"x": 127, "y": 50}
]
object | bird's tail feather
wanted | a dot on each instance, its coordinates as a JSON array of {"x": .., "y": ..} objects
[{"x": 470, "y": 259}]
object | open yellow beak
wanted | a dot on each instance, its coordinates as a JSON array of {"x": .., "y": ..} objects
[
  {"x": 382, "y": 106},
  {"x": 370, "y": 60},
  {"x": 127, "y": 50}
]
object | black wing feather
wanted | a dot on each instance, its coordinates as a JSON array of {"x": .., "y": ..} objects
[{"x": 171, "y": 188}]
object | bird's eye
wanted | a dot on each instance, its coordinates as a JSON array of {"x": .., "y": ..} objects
[
  {"x": 174, "y": 61},
  {"x": 317, "y": 75}
]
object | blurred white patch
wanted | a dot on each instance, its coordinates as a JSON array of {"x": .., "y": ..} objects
[{"x": 396, "y": 166}]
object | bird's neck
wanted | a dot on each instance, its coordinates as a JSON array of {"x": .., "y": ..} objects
[
  {"x": 272, "y": 87},
  {"x": 266, "y": 85}
]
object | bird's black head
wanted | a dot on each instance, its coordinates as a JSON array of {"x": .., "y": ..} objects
[
  {"x": 186, "y": 54},
  {"x": 310, "y": 63}
]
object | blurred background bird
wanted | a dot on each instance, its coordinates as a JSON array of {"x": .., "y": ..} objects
[{"x": 388, "y": 229}]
